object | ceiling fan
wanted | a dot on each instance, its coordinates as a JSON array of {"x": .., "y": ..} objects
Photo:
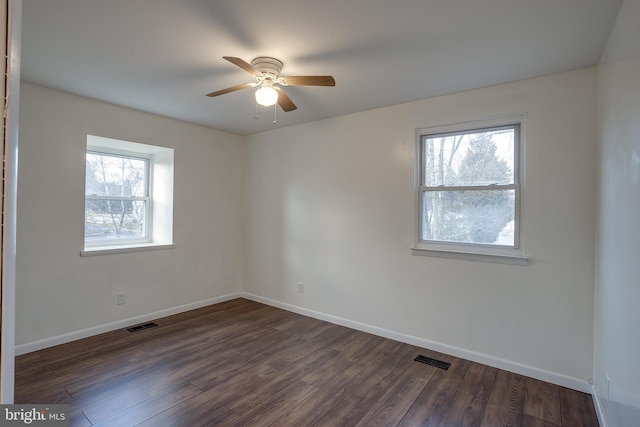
[{"x": 267, "y": 70}]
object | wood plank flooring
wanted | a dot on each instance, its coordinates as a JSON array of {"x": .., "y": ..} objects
[{"x": 241, "y": 363}]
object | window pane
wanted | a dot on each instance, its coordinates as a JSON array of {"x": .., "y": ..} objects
[
  {"x": 481, "y": 157},
  {"x": 115, "y": 176},
  {"x": 114, "y": 219},
  {"x": 482, "y": 216}
]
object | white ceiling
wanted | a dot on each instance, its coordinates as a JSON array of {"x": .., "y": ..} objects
[{"x": 163, "y": 56}]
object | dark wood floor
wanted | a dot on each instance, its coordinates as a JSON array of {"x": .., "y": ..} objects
[{"x": 241, "y": 363}]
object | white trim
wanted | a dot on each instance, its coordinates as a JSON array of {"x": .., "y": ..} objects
[
  {"x": 123, "y": 148},
  {"x": 488, "y": 122},
  {"x": 84, "y": 333},
  {"x": 496, "y": 362},
  {"x": 472, "y": 256},
  {"x": 14, "y": 49},
  {"x": 602, "y": 420},
  {"x": 106, "y": 250},
  {"x": 147, "y": 159},
  {"x": 513, "y": 255},
  {"x": 160, "y": 184}
]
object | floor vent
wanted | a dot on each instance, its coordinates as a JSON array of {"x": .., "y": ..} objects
[
  {"x": 142, "y": 327},
  {"x": 433, "y": 362}
]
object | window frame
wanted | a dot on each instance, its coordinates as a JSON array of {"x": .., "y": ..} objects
[
  {"x": 464, "y": 250},
  {"x": 160, "y": 191},
  {"x": 148, "y": 217}
]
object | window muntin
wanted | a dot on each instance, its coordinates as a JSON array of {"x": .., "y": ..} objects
[
  {"x": 117, "y": 201},
  {"x": 468, "y": 191}
]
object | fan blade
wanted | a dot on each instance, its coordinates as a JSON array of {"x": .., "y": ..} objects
[
  {"x": 244, "y": 65},
  {"x": 232, "y": 89},
  {"x": 309, "y": 81},
  {"x": 284, "y": 101}
]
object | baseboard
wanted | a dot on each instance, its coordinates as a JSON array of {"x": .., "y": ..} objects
[
  {"x": 84, "y": 333},
  {"x": 541, "y": 374},
  {"x": 496, "y": 362},
  {"x": 598, "y": 405}
]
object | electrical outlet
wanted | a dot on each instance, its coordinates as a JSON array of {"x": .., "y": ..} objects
[
  {"x": 300, "y": 288},
  {"x": 121, "y": 298}
]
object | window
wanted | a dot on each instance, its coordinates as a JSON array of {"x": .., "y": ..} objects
[
  {"x": 128, "y": 196},
  {"x": 117, "y": 202},
  {"x": 468, "y": 189}
]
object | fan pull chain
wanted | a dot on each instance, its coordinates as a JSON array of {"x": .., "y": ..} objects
[{"x": 275, "y": 113}]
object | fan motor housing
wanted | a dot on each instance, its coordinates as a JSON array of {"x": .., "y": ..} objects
[{"x": 268, "y": 66}]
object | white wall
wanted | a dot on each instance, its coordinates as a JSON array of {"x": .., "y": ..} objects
[
  {"x": 59, "y": 292},
  {"x": 331, "y": 204},
  {"x": 617, "y": 332}
]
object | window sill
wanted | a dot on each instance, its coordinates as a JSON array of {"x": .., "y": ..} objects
[
  {"x": 112, "y": 250},
  {"x": 472, "y": 256}
]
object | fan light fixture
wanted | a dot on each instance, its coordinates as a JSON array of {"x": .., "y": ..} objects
[
  {"x": 266, "y": 95},
  {"x": 266, "y": 71}
]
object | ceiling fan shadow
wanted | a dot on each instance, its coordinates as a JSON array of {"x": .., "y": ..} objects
[{"x": 226, "y": 16}]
